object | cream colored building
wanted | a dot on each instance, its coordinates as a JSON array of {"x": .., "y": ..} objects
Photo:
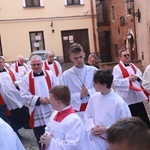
[
  {"x": 143, "y": 30},
  {"x": 29, "y": 25}
]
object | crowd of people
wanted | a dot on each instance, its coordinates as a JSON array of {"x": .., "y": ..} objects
[{"x": 82, "y": 108}]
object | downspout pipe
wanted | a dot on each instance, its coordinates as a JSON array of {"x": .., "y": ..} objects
[
  {"x": 135, "y": 36},
  {"x": 93, "y": 27}
]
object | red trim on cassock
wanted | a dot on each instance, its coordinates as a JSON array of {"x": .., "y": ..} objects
[
  {"x": 3, "y": 103},
  {"x": 82, "y": 107},
  {"x": 126, "y": 74},
  {"x": 32, "y": 90},
  {"x": 16, "y": 67},
  {"x": 64, "y": 113},
  {"x": 55, "y": 67},
  {"x": 13, "y": 78}
]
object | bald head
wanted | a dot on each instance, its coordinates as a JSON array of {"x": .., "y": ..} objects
[
  {"x": 50, "y": 56},
  {"x": 20, "y": 59}
]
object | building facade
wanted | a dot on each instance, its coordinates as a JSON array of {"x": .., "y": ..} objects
[
  {"x": 116, "y": 30},
  {"x": 143, "y": 30},
  {"x": 30, "y": 25}
]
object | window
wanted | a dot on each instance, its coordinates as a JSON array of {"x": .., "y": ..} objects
[
  {"x": 37, "y": 41},
  {"x": 122, "y": 21},
  {"x": 73, "y": 2},
  {"x": 32, "y": 3},
  {"x": 113, "y": 12}
]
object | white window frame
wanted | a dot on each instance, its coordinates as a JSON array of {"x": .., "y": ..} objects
[
  {"x": 81, "y": 2},
  {"x": 41, "y": 3}
]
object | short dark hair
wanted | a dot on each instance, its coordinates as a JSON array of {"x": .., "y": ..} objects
[
  {"x": 62, "y": 93},
  {"x": 120, "y": 51},
  {"x": 75, "y": 48},
  {"x": 103, "y": 76},
  {"x": 131, "y": 129}
]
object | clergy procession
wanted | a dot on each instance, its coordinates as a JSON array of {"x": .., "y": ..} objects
[{"x": 82, "y": 108}]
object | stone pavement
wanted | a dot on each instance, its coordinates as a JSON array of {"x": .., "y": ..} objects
[{"x": 28, "y": 139}]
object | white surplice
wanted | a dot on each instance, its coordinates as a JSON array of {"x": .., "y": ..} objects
[
  {"x": 122, "y": 85},
  {"x": 146, "y": 79},
  {"x": 22, "y": 70},
  {"x": 104, "y": 110},
  {"x": 8, "y": 138},
  {"x": 10, "y": 94},
  {"x": 41, "y": 112},
  {"x": 75, "y": 78},
  {"x": 51, "y": 67},
  {"x": 69, "y": 134}
]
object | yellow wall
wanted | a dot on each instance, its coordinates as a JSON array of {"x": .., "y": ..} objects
[{"x": 16, "y": 23}]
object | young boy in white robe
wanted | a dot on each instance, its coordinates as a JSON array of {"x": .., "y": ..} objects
[
  {"x": 65, "y": 130},
  {"x": 104, "y": 108}
]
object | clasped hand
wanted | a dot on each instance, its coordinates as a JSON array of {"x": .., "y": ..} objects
[
  {"x": 132, "y": 77},
  {"x": 98, "y": 130},
  {"x": 45, "y": 139},
  {"x": 84, "y": 92}
]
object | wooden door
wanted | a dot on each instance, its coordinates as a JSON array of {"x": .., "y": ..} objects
[{"x": 75, "y": 36}]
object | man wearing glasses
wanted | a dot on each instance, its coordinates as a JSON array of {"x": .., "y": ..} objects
[
  {"x": 35, "y": 92},
  {"x": 127, "y": 83},
  {"x": 51, "y": 64}
]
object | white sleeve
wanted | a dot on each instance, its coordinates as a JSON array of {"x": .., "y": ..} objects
[
  {"x": 146, "y": 79},
  {"x": 88, "y": 116},
  {"x": 119, "y": 81}
]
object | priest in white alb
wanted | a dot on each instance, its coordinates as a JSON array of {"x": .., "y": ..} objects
[
  {"x": 35, "y": 93},
  {"x": 127, "y": 83},
  {"x": 51, "y": 64}
]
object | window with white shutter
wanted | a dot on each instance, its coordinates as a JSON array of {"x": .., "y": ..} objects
[
  {"x": 33, "y": 3},
  {"x": 73, "y": 2}
]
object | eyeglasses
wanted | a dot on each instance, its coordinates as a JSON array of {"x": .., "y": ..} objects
[
  {"x": 125, "y": 55},
  {"x": 35, "y": 65}
]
